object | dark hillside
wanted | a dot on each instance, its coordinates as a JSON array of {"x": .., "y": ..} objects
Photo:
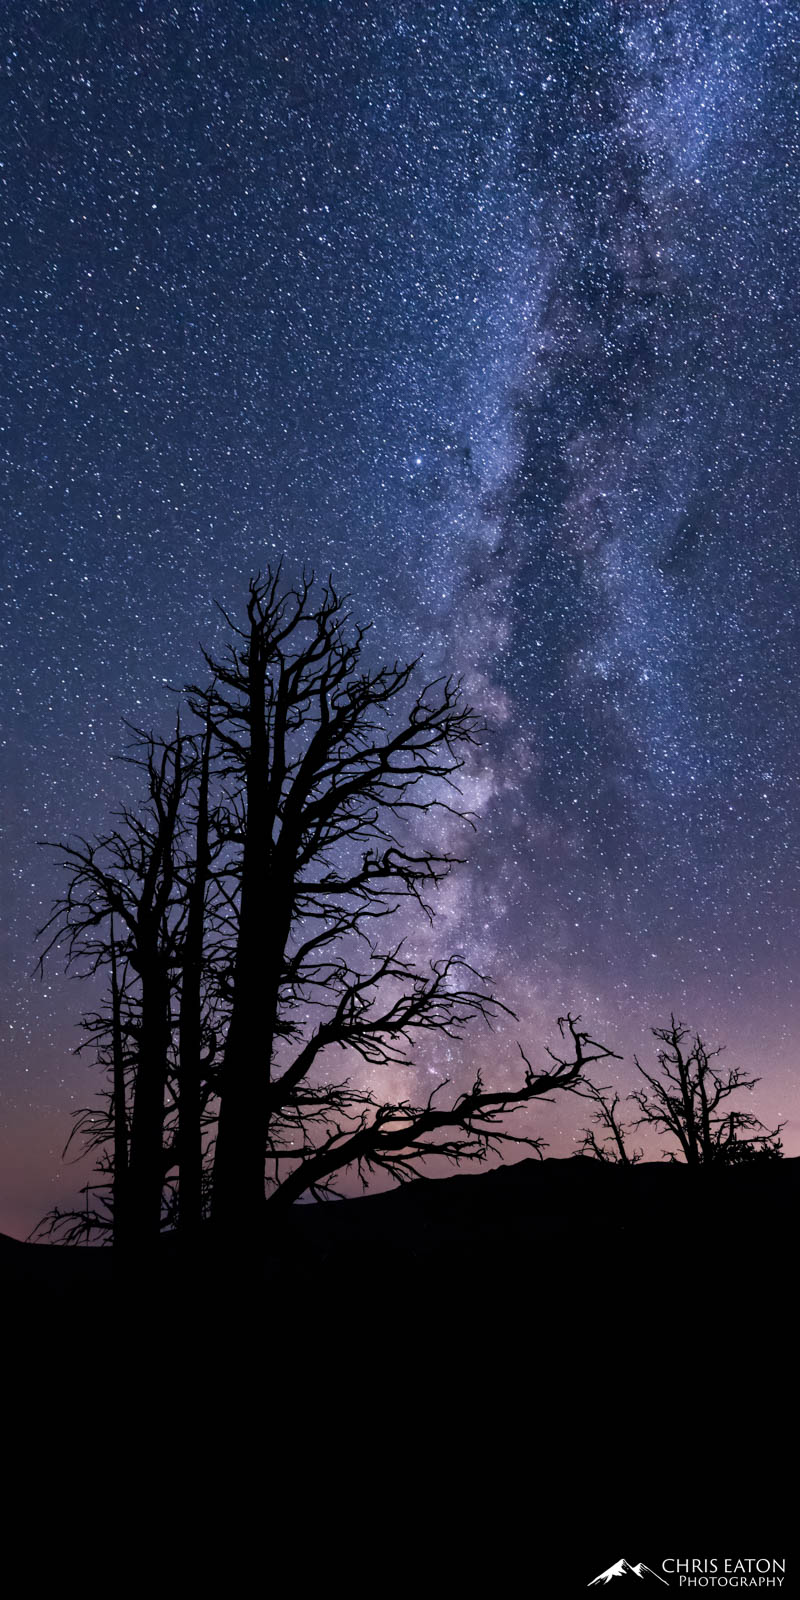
[{"x": 514, "y": 1235}]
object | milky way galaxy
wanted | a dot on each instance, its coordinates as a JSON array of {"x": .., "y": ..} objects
[{"x": 490, "y": 310}]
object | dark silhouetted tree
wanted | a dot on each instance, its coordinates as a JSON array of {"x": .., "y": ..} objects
[
  {"x": 130, "y": 910},
  {"x": 331, "y": 765},
  {"x": 244, "y": 917},
  {"x": 687, "y": 1098},
  {"x": 606, "y": 1139}
]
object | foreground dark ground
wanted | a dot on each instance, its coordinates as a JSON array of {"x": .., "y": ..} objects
[
  {"x": 551, "y": 1365},
  {"x": 540, "y": 1234}
]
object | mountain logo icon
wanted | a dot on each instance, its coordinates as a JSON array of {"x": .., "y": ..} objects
[{"x": 623, "y": 1569}]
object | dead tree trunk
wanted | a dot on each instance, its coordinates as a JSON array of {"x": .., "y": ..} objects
[
  {"x": 189, "y": 1136},
  {"x": 119, "y": 1107}
]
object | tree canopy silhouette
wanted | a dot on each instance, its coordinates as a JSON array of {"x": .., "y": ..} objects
[
  {"x": 687, "y": 1098},
  {"x": 606, "y": 1139},
  {"x": 682, "y": 1099},
  {"x": 245, "y": 918}
]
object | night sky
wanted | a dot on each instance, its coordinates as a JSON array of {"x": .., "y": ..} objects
[{"x": 492, "y": 311}]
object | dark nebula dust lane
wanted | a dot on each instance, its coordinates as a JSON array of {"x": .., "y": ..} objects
[{"x": 491, "y": 311}]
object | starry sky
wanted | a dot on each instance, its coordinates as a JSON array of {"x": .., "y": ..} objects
[{"x": 491, "y": 310}]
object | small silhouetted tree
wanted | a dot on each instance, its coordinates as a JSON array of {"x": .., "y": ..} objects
[
  {"x": 607, "y": 1138},
  {"x": 687, "y": 1099}
]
